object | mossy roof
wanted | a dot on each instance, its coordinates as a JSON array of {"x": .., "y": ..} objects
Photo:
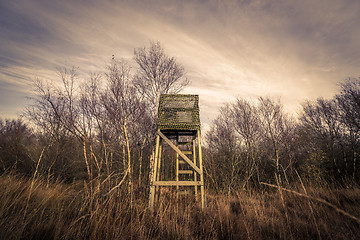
[{"x": 178, "y": 112}]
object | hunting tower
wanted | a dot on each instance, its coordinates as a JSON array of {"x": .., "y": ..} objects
[{"x": 179, "y": 127}]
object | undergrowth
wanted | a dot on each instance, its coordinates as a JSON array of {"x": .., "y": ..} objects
[{"x": 32, "y": 209}]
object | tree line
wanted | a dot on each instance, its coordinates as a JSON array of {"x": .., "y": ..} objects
[
  {"x": 259, "y": 142},
  {"x": 101, "y": 130}
]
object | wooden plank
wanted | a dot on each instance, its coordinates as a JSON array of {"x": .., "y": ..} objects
[
  {"x": 187, "y": 152},
  {"x": 159, "y": 162},
  {"x": 177, "y": 170},
  {"x": 152, "y": 186},
  {"x": 179, "y": 151},
  {"x": 202, "y": 189},
  {"x": 182, "y": 162},
  {"x": 177, "y": 183},
  {"x": 186, "y": 172},
  {"x": 194, "y": 158}
]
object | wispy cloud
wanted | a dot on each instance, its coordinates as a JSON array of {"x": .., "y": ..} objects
[{"x": 295, "y": 50}]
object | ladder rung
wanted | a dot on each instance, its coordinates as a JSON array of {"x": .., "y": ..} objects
[
  {"x": 178, "y": 183},
  {"x": 182, "y": 161},
  {"x": 186, "y": 152},
  {"x": 186, "y": 171}
]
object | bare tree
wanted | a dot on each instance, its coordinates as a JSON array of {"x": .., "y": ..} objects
[
  {"x": 349, "y": 102},
  {"x": 248, "y": 141},
  {"x": 277, "y": 129},
  {"x": 246, "y": 123},
  {"x": 126, "y": 112},
  {"x": 272, "y": 120},
  {"x": 158, "y": 73},
  {"x": 321, "y": 121},
  {"x": 58, "y": 110},
  {"x": 349, "y": 108},
  {"x": 223, "y": 162},
  {"x": 16, "y": 147}
]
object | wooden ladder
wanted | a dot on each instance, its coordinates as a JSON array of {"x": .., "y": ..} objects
[
  {"x": 182, "y": 169},
  {"x": 189, "y": 171}
]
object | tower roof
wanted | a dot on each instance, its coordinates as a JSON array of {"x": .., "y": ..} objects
[{"x": 178, "y": 112}]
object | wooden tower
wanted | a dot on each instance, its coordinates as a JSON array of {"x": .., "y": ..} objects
[{"x": 179, "y": 128}]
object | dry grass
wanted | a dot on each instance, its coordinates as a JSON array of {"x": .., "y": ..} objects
[{"x": 61, "y": 211}]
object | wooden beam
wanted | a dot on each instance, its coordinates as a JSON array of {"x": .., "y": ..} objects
[
  {"x": 159, "y": 162},
  {"x": 177, "y": 170},
  {"x": 177, "y": 183},
  {"x": 194, "y": 158},
  {"x": 179, "y": 152},
  {"x": 152, "y": 186},
  {"x": 186, "y": 172},
  {"x": 202, "y": 189},
  {"x": 187, "y": 152}
]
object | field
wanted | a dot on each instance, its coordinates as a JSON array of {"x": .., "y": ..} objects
[{"x": 33, "y": 209}]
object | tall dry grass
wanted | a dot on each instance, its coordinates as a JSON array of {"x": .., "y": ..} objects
[{"x": 59, "y": 211}]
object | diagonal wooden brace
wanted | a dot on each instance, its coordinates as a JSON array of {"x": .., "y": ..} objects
[{"x": 179, "y": 152}]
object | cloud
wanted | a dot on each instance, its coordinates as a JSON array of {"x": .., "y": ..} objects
[{"x": 295, "y": 50}]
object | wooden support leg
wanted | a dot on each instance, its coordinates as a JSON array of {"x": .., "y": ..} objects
[
  {"x": 158, "y": 181},
  {"x": 157, "y": 192},
  {"x": 177, "y": 173},
  {"x": 194, "y": 159},
  {"x": 152, "y": 186},
  {"x": 159, "y": 161},
  {"x": 201, "y": 173}
]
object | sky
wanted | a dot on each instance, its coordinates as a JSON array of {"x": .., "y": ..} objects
[{"x": 291, "y": 50}]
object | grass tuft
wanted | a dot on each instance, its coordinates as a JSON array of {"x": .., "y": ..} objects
[{"x": 61, "y": 211}]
